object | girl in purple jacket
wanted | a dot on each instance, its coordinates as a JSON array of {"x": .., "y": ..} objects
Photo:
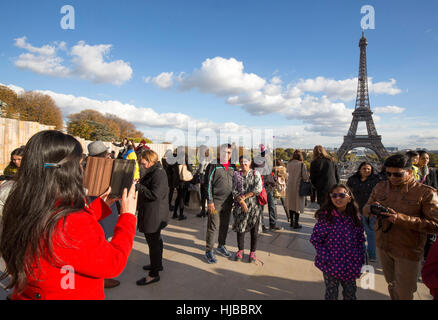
[{"x": 338, "y": 238}]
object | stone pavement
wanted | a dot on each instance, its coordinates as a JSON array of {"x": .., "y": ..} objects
[{"x": 287, "y": 272}]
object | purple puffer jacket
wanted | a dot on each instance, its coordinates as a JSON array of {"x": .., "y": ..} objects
[{"x": 339, "y": 247}]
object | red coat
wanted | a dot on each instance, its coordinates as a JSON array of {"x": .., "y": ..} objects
[
  {"x": 87, "y": 258},
  {"x": 429, "y": 274}
]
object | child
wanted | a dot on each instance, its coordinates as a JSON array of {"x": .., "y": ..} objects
[{"x": 338, "y": 238}]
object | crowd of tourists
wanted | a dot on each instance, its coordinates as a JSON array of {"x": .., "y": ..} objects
[{"x": 389, "y": 216}]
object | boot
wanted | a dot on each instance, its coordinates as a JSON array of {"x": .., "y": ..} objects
[
  {"x": 296, "y": 218},
  {"x": 291, "y": 215},
  {"x": 181, "y": 214},
  {"x": 175, "y": 215}
]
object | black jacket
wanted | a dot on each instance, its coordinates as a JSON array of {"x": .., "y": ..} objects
[
  {"x": 152, "y": 205},
  {"x": 323, "y": 174},
  {"x": 172, "y": 173},
  {"x": 431, "y": 179},
  {"x": 362, "y": 189}
]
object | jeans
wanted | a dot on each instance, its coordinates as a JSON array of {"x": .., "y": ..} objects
[
  {"x": 371, "y": 236},
  {"x": 271, "y": 208}
]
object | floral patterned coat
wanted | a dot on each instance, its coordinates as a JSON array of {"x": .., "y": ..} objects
[{"x": 252, "y": 182}]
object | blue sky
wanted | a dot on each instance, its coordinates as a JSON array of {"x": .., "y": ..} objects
[{"x": 289, "y": 66}]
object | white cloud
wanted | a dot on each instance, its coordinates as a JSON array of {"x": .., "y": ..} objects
[
  {"x": 385, "y": 88},
  {"x": 222, "y": 77},
  {"x": 258, "y": 96},
  {"x": 389, "y": 109},
  {"x": 88, "y": 62},
  {"x": 45, "y": 50},
  {"x": 163, "y": 80}
]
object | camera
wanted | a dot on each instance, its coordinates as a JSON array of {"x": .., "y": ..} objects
[{"x": 377, "y": 210}]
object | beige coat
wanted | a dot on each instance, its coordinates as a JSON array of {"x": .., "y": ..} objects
[{"x": 296, "y": 169}]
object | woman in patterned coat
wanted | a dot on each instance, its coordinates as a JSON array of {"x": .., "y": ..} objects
[
  {"x": 338, "y": 238},
  {"x": 247, "y": 184}
]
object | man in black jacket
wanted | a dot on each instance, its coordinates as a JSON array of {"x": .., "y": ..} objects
[{"x": 219, "y": 186}]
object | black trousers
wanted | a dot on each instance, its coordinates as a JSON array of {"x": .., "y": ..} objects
[
  {"x": 179, "y": 202},
  {"x": 332, "y": 288},
  {"x": 155, "y": 243},
  {"x": 203, "y": 198},
  {"x": 254, "y": 234},
  {"x": 171, "y": 190}
]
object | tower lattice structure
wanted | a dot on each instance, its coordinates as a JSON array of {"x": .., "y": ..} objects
[{"x": 362, "y": 112}]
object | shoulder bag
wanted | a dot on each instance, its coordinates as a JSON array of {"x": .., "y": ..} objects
[{"x": 305, "y": 186}]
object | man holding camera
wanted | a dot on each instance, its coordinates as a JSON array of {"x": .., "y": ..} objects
[{"x": 406, "y": 212}]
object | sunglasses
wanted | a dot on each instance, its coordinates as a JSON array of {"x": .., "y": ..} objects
[
  {"x": 339, "y": 195},
  {"x": 395, "y": 174}
]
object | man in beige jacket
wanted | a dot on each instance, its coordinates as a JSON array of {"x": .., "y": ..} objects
[{"x": 401, "y": 232}]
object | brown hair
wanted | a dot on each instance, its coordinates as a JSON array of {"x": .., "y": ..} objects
[
  {"x": 149, "y": 156},
  {"x": 319, "y": 152},
  {"x": 298, "y": 155}
]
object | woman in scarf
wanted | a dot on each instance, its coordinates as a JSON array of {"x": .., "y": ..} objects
[{"x": 247, "y": 184}]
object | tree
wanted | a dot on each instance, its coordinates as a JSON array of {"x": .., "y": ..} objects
[
  {"x": 38, "y": 107},
  {"x": 93, "y": 125},
  {"x": 9, "y": 97}
]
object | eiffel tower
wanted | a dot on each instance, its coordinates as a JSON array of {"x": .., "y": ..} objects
[{"x": 362, "y": 112}]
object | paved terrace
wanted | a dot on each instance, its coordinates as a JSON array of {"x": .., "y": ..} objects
[{"x": 287, "y": 272}]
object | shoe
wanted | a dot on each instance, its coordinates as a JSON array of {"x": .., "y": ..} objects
[
  {"x": 142, "y": 281},
  {"x": 201, "y": 214},
  {"x": 182, "y": 218},
  {"x": 223, "y": 251},
  {"x": 148, "y": 267},
  {"x": 264, "y": 229},
  {"x": 238, "y": 256},
  {"x": 252, "y": 257},
  {"x": 175, "y": 216},
  {"x": 275, "y": 228},
  {"x": 209, "y": 255},
  {"x": 111, "y": 283}
]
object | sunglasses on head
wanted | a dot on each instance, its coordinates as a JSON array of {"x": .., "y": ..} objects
[
  {"x": 339, "y": 195},
  {"x": 395, "y": 174}
]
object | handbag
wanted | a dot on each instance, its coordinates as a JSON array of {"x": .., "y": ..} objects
[
  {"x": 184, "y": 173},
  {"x": 305, "y": 186},
  {"x": 262, "y": 198}
]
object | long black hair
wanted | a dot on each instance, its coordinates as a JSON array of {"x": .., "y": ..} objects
[
  {"x": 352, "y": 210},
  {"x": 49, "y": 187},
  {"x": 357, "y": 174}
]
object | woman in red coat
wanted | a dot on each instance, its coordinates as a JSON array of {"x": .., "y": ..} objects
[{"x": 52, "y": 243}]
